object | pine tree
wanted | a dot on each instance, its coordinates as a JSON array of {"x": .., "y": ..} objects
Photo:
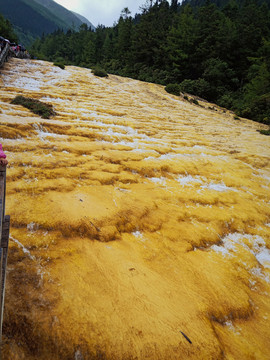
[
  {"x": 124, "y": 36},
  {"x": 6, "y": 30},
  {"x": 174, "y": 5},
  {"x": 181, "y": 43}
]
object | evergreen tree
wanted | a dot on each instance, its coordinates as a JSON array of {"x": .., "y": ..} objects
[
  {"x": 149, "y": 40},
  {"x": 6, "y": 30},
  {"x": 181, "y": 44},
  {"x": 124, "y": 28},
  {"x": 174, "y": 5},
  {"x": 256, "y": 104},
  {"x": 99, "y": 41}
]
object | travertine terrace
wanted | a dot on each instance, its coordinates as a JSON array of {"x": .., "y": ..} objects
[{"x": 140, "y": 223}]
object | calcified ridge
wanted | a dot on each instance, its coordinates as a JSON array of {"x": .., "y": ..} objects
[{"x": 140, "y": 223}]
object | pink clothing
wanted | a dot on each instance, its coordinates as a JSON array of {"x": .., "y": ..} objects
[{"x": 2, "y": 154}]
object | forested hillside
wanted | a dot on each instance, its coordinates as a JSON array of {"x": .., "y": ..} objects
[
  {"x": 219, "y": 3},
  {"x": 221, "y": 53},
  {"x": 6, "y": 29}
]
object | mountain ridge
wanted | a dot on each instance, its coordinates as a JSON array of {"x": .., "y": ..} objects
[
  {"x": 33, "y": 18},
  {"x": 60, "y": 10},
  {"x": 84, "y": 20}
]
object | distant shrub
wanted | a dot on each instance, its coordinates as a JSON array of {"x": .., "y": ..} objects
[
  {"x": 36, "y": 106},
  {"x": 226, "y": 101},
  {"x": 261, "y": 109},
  {"x": 185, "y": 97},
  {"x": 247, "y": 113},
  {"x": 199, "y": 87},
  {"x": 99, "y": 72},
  {"x": 257, "y": 108},
  {"x": 264, "y": 132},
  {"x": 173, "y": 89},
  {"x": 59, "y": 64},
  {"x": 195, "y": 102},
  {"x": 188, "y": 86}
]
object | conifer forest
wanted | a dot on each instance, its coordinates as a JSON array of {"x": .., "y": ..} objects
[{"x": 217, "y": 51}]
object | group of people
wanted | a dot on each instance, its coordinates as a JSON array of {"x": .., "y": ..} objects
[
  {"x": 15, "y": 50},
  {"x": 3, "y": 158},
  {"x": 3, "y": 43}
]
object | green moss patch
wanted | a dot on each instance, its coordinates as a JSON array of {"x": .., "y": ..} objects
[
  {"x": 37, "y": 107},
  {"x": 59, "y": 64},
  {"x": 264, "y": 132},
  {"x": 99, "y": 72}
]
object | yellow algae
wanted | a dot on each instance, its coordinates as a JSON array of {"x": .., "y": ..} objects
[{"x": 140, "y": 223}]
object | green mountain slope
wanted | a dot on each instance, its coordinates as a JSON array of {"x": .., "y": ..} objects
[
  {"x": 32, "y": 18},
  {"x": 84, "y": 20},
  {"x": 69, "y": 17}
]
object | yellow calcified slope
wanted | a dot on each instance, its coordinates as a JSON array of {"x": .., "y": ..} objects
[{"x": 137, "y": 218}]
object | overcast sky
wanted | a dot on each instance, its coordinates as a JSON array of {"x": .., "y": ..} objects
[{"x": 104, "y": 12}]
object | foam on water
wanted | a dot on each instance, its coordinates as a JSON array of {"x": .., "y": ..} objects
[
  {"x": 156, "y": 180},
  {"x": 137, "y": 234},
  {"x": 51, "y": 99},
  {"x": 263, "y": 256},
  {"x": 257, "y": 272},
  {"x": 26, "y": 251},
  {"x": 188, "y": 180},
  {"x": 221, "y": 187},
  {"x": 256, "y": 246}
]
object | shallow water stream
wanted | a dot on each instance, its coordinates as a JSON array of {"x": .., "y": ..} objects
[{"x": 137, "y": 218}]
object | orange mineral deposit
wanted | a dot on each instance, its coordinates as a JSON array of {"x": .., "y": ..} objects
[{"x": 140, "y": 222}]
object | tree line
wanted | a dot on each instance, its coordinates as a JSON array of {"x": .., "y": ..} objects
[
  {"x": 6, "y": 30},
  {"x": 217, "y": 52}
]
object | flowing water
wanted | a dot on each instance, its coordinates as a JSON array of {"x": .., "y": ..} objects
[{"x": 140, "y": 223}]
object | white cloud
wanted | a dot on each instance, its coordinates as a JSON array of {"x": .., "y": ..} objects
[{"x": 104, "y": 12}]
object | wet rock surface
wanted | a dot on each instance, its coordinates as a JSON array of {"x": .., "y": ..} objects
[{"x": 140, "y": 224}]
